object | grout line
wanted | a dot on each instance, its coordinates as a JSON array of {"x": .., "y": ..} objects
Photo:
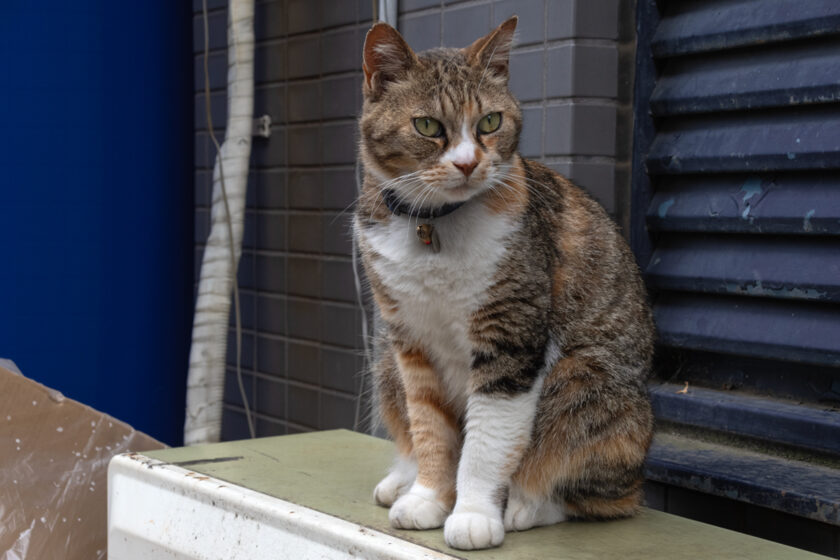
[
  {"x": 210, "y": 11},
  {"x": 575, "y": 158},
  {"x": 308, "y": 342},
  {"x": 255, "y": 374},
  {"x": 286, "y": 224},
  {"x": 576, "y": 100},
  {"x": 274, "y": 419},
  {"x": 441, "y": 10},
  {"x": 544, "y": 79}
]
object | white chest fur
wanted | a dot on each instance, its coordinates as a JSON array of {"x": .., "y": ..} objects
[{"x": 438, "y": 292}]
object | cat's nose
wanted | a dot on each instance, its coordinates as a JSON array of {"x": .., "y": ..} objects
[{"x": 466, "y": 168}]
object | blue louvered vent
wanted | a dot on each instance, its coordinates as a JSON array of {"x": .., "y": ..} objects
[{"x": 736, "y": 215}]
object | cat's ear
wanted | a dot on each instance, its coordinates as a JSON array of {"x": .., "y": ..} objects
[
  {"x": 492, "y": 52},
  {"x": 386, "y": 56}
]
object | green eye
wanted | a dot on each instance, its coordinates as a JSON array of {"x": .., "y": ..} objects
[
  {"x": 427, "y": 126},
  {"x": 489, "y": 123}
]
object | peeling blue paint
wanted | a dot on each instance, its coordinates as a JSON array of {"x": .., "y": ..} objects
[
  {"x": 746, "y": 213},
  {"x": 806, "y": 223},
  {"x": 758, "y": 289},
  {"x": 750, "y": 188},
  {"x": 663, "y": 208}
]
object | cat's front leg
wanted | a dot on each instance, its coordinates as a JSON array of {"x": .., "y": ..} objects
[
  {"x": 498, "y": 429},
  {"x": 435, "y": 441}
]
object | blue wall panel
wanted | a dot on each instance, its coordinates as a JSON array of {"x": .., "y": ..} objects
[{"x": 96, "y": 203}]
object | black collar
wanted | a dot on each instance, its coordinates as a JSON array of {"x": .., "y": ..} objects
[{"x": 398, "y": 208}]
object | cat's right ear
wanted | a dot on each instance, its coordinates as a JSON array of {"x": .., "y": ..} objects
[{"x": 386, "y": 57}]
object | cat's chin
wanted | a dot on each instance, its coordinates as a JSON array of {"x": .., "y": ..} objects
[{"x": 461, "y": 193}]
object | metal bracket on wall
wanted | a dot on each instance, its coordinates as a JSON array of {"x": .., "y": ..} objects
[{"x": 262, "y": 126}]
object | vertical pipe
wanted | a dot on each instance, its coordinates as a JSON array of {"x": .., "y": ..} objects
[{"x": 205, "y": 380}]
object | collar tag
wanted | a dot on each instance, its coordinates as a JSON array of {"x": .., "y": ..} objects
[{"x": 427, "y": 234}]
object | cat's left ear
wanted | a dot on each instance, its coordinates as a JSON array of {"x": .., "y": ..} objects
[
  {"x": 386, "y": 57},
  {"x": 492, "y": 51}
]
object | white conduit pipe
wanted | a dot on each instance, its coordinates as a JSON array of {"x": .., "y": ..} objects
[
  {"x": 205, "y": 380},
  {"x": 388, "y": 12}
]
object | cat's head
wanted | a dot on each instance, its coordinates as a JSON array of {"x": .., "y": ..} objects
[{"x": 438, "y": 126}]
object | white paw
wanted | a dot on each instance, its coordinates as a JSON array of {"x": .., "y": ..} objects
[
  {"x": 468, "y": 531},
  {"x": 522, "y": 514},
  {"x": 413, "y": 511},
  {"x": 397, "y": 483},
  {"x": 390, "y": 488}
]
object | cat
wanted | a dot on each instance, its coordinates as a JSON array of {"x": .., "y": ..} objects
[{"x": 517, "y": 338}]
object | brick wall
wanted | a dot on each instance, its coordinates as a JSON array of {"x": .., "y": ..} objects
[{"x": 302, "y": 343}]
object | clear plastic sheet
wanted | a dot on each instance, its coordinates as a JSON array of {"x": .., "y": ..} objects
[{"x": 54, "y": 455}]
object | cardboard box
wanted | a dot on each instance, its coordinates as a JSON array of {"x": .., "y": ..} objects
[{"x": 54, "y": 455}]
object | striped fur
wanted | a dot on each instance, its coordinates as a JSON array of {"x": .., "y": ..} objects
[{"x": 513, "y": 363}]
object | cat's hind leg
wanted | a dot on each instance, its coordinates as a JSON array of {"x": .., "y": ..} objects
[
  {"x": 597, "y": 506},
  {"x": 590, "y": 438},
  {"x": 525, "y": 511}
]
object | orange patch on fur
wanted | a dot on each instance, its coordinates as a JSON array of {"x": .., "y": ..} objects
[
  {"x": 578, "y": 226},
  {"x": 558, "y": 280},
  {"x": 397, "y": 427},
  {"x": 436, "y": 445},
  {"x": 514, "y": 456},
  {"x": 435, "y": 435},
  {"x": 433, "y": 401},
  {"x": 539, "y": 473},
  {"x": 413, "y": 359}
]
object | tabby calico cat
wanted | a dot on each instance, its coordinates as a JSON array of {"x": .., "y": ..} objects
[{"x": 512, "y": 371}]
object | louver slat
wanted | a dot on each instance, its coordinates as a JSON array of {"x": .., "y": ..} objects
[
  {"x": 764, "y": 328},
  {"x": 750, "y": 416},
  {"x": 727, "y": 81},
  {"x": 748, "y": 142},
  {"x": 780, "y": 203},
  {"x": 808, "y": 490},
  {"x": 763, "y": 266},
  {"x": 704, "y": 25}
]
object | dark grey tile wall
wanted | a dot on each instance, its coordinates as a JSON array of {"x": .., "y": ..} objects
[
  {"x": 302, "y": 335},
  {"x": 301, "y": 345}
]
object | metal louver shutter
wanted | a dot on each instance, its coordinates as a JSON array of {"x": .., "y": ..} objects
[{"x": 736, "y": 226}]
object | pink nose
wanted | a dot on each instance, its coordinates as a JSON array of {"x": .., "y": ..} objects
[{"x": 466, "y": 168}]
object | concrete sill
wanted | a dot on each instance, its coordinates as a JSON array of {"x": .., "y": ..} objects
[{"x": 309, "y": 496}]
